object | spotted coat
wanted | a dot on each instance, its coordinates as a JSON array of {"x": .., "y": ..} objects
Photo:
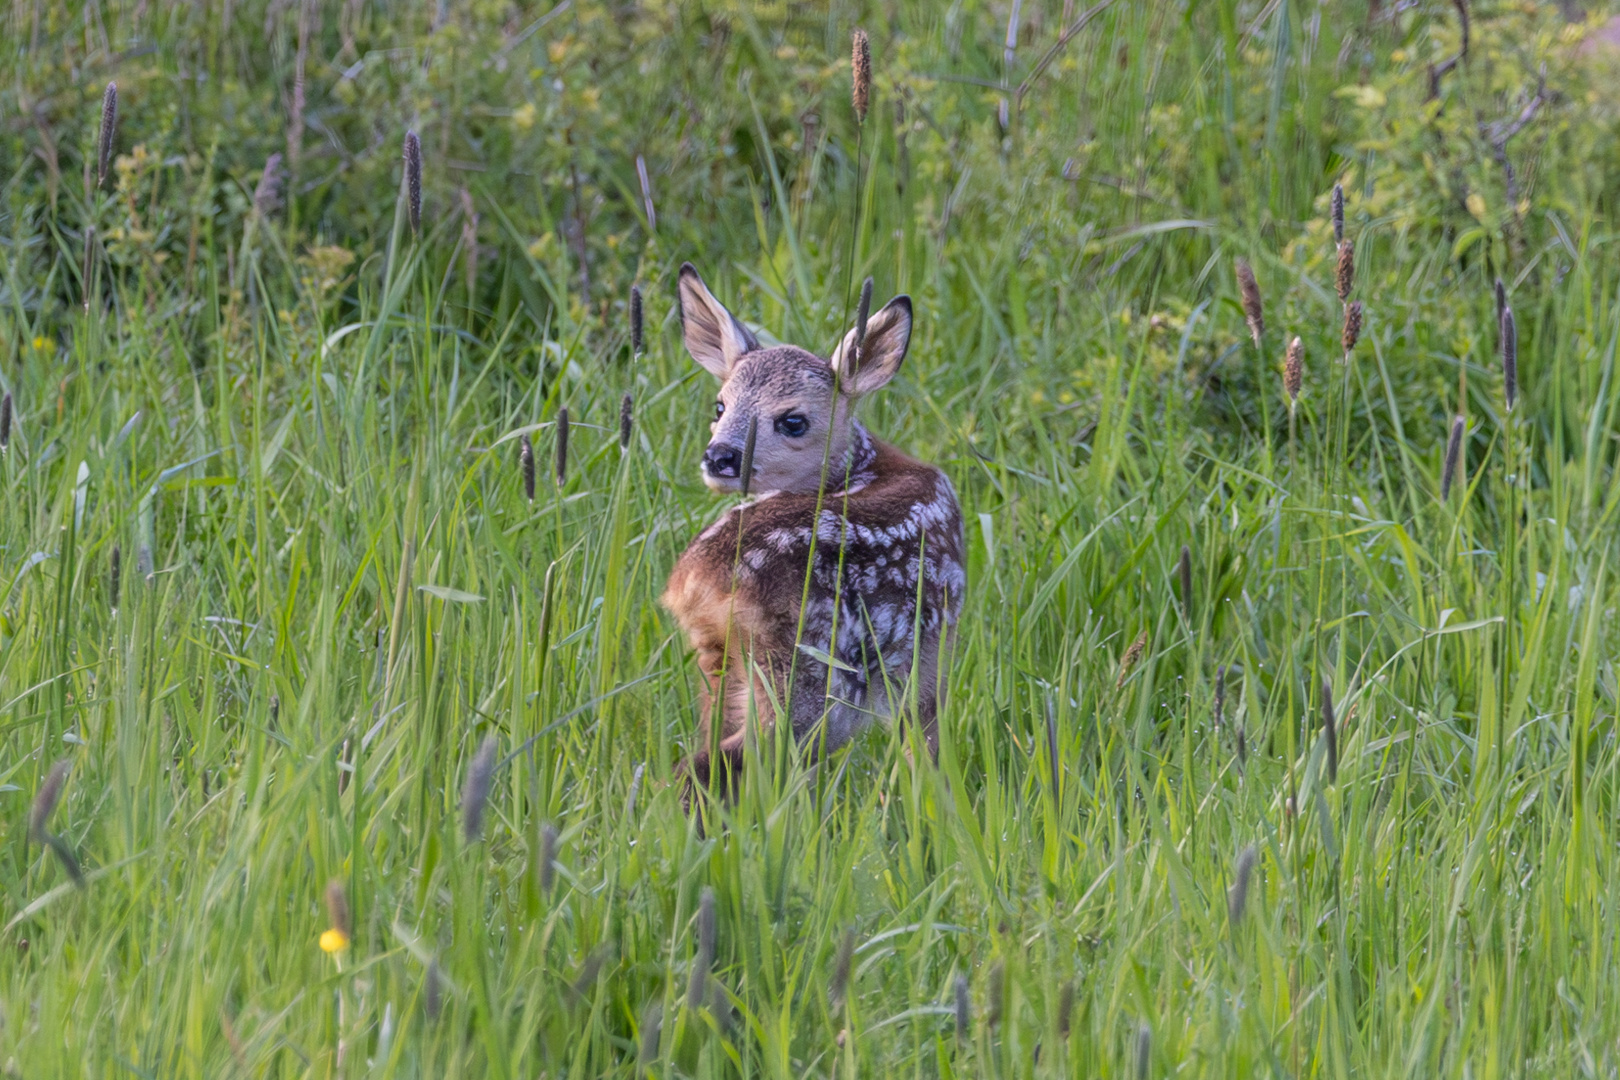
[{"x": 783, "y": 583}]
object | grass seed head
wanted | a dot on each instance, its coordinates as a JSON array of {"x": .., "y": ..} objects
[
  {"x": 1501, "y": 299},
  {"x": 964, "y": 1006},
  {"x": 1249, "y": 291},
  {"x": 697, "y": 988},
  {"x": 862, "y": 312},
  {"x": 267, "y": 193},
  {"x": 1352, "y": 327},
  {"x": 651, "y": 1022},
  {"x": 562, "y": 446},
  {"x": 1144, "y": 1050},
  {"x": 475, "y": 794},
  {"x": 104, "y": 138},
  {"x": 433, "y": 990},
  {"x": 1052, "y": 762},
  {"x": 1294, "y": 371},
  {"x": 1448, "y": 468},
  {"x": 1344, "y": 273},
  {"x": 45, "y": 800},
  {"x": 115, "y": 568},
  {"x": 1238, "y": 900},
  {"x": 638, "y": 340},
  {"x": 1338, "y": 214},
  {"x": 838, "y": 987},
  {"x": 1132, "y": 655},
  {"x": 1065, "y": 1012},
  {"x": 1510, "y": 357},
  {"x": 1220, "y": 694},
  {"x": 413, "y": 179},
  {"x": 1184, "y": 568},
  {"x": 860, "y": 63},
  {"x": 526, "y": 462},
  {"x": 1242, "y": 749},
  {"x": 337, "y": 909},
  {"x": 626, "y": 419},
  {"x": 5, "y": 421},
  {"x": 547, "y": 868},
  {"x": 1330, "y": 732}
]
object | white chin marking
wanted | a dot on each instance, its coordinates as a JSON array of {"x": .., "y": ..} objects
[{"x": 719, "y": 483}]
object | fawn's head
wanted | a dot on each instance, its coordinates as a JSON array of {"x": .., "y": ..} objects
[{"x": 804, "y": 406}]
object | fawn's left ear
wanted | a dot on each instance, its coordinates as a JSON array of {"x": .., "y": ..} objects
[{"x": 888, "y": 334}]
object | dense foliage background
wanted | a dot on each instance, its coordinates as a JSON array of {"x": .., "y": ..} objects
[{"x": 1342, "y": 804}]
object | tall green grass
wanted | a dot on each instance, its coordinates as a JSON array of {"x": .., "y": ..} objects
[{"x": 299, "y": 424}]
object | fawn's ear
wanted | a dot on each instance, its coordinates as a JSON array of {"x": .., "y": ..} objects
[
  {"x": 888, "y": 334},
  {"x": 713, "y": 335}
]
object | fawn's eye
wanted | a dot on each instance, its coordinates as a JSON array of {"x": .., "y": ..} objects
[
  {"x": 792, "y": 425},
  {"x": 719, "y": 409}
]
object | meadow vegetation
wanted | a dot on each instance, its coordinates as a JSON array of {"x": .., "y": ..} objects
[{"x": 338, "y": 718}]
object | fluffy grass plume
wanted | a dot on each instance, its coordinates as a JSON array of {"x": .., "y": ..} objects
[
  {"x": 1352, "y": 327},
  {"x": 1448, "y": 467},
  {"x": 413, "y": 179},
  {"x": 475, "y": 792},
  {"x": 1344, "y": 270},
  {"x": 1294, "y": 371},
  {"x": 860, "y": 65},
  {"x": 104, "y": 135},
  {"x": 1249, "y": 293}
]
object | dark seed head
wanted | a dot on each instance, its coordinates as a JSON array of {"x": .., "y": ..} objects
[
  {"x": 267, "y": 195},
  {"x": 1338, "y": 214},
  {"x": 413, "y": 179},
  {"x": 862, "y": 311},
  {"x": 964, "y": 1006},
  {"x": 1352, "y": 327},
  {"x": 1144, "y": 1050},
  {"x": 547, "y": 869},
  {"x": 1330, "y": 732},
  {"x": 104, "y": 139},
  {"x": 651, "y": 1021},
  {"x": 747, "y": 471},
  {"x": 337, "y": 908},
  {"x": 475, "y": 793},
  {"x": 1220, "y": 695},
  {"x": 861, "y": 71},
  {"x": 1510, "y": 357},
  {"x": 697, "y": 988},
  {"x": 1344, "y": 274},
  {"x": 1185, "y": 568},
  {"x": 638, "y": 341},
  {"x": 626, "y": 418},
  {"x": 433, "y": 990},
  {"x": 115, "y": 568},
  {"x": 1238, "y": 900},
  {"x": 842, "y": 963},
  {"x": 1249, "y": 291},
  {"x": 1052, "y": 762},
  {"x": 1448, "y": 469},
  {"x": 45, "y": 800},
  {"x": 526, "y": 461},
  {"x": 5, "y": 421},
  {"x": 1065, "y": 1009},
  {"x": 1294, "y": 371},
  {"x": 562, "y": 446},
  {"x": 1501, "y": 299},
  {"x": 1242, "y": 749}
]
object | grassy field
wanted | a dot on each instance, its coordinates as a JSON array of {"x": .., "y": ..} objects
[{"x": 1260, "y": 757}]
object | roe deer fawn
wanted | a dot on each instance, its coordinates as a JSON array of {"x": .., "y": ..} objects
[{"x": 840, "y": 582}]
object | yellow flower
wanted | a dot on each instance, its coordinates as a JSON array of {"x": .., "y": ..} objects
[
  {"x": 523, "y": 116},
  {"x": 334, "y": 941},
  {"x": 1476, "y": 204}
]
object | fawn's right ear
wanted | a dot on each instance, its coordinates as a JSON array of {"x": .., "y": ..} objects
[{"x": 713, "y": 335}]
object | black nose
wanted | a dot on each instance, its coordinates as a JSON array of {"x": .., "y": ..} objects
[{"x": 723, "y": 460}]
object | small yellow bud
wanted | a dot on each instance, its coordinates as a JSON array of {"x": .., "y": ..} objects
[{"x": 334, "y": 941}]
